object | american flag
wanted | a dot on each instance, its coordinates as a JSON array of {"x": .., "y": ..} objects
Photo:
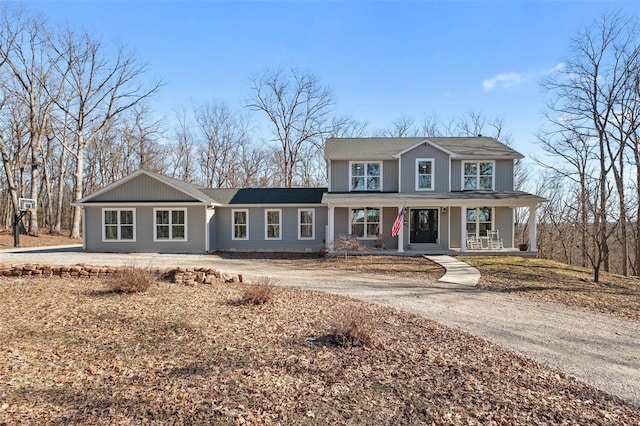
[{"x": 397, "y": 225}]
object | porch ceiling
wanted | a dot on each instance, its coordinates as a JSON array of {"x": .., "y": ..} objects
[{"x": 436, "y": 199}]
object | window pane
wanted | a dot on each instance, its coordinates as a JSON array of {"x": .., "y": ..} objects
[
  {"x": 485, "y": 183},
  {"x": 373, "y": 183},
  {"x": 273, "y": 217},
  {"x": 373, "y": 229},
  {"x": 357, "y": 169},
  {"x": 484, "y": 227},
  {"x": 126, "y": 217},
  {"x": 471, "y": 228},
  {"x": 273, "y": 231},
  {"x": 357, "y": 229},
  {"x": 240, "y": 218},
  {"x": 306, "y": 216},
  {"x": 111, "y": 232},
  {"x": 373, "y": 215},
  {"x": 471, "y": 215},
  {"x": 162, "y": 217},
  {"x": 470, "y": 169},
  {"x": 126, "y": 232},
  {"x": 177, "y": 217},
  {"x": 485, "y": 215},
  {"x": 110, "y": 217},
  {"x": 178, "y": 232},
  {"x": 162, "y": 232},
  {"x": 424, "y": 182},
  {"x": 424, "y": 167},
  {"x": 373, "y": 169},
  {"x": 470, "y": 182},
  {"x": 357, "y": 215},
  {"x": 357, "y": 183},
  {"x": 240, "y": 231},
  {"x": 306, "y": 231},
  {"x": 486, "y": 169}
]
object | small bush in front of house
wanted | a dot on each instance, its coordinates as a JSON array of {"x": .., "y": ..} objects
[
  {"x": 350, "y": 328},
  {"x": 131, "y": 279},
  {"x": 348, "y": 243},
  {"x": 259, "y": 293}
]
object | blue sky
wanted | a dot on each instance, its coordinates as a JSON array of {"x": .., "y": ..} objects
[{"x": 382, "y": 60}]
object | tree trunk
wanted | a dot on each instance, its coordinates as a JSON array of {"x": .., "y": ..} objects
[
  {"x": 77, "y": 191},
  {"x": 8, "y": 169}
]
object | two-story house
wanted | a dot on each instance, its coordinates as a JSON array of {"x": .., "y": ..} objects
[{"x": 450, "y": 193}]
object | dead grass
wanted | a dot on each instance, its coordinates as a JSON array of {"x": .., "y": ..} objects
[
  {"x": 73, "y": 353},
  {"x": 557, "y": 282},
  {"x": 257, "y": 294},
  {"x": 133, "y": 279},
  {"x": 349, "y": 328},
  {"x": 43, "y": 240}
]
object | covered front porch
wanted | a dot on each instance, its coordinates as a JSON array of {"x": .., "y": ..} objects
[{"x": 434, "y": 223}]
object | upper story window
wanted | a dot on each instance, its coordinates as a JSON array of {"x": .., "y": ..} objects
[
  {"x": 366, "y": 176},
  {"x": 477, "y": 174},
  {"x": 424, "y": 174}
]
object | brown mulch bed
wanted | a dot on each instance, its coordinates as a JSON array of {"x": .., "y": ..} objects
[
  {"x": 42, "y": 240},
  {"x": 76, "y": 352},
  {"x": 558, "y": 282}
]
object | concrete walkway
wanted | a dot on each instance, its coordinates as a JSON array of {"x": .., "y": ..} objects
[{"x": 457, "y": 272}]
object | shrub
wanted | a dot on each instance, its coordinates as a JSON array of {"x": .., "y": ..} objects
[
  {"x": 350, "y": 328},
  {"x": 131, "y": 279},
  {"x": 259, "y": 293},
  {"x": 347, "y": 243}
]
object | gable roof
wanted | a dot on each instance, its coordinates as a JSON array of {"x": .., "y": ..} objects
[
  {"x": 389, "y": 148},
  {"x": 241, "y": 196},
  {"x": 190, "y": 189}
]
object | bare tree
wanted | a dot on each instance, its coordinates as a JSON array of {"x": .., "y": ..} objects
[
  {"x": 298, "y": 108},
  {"x": 99, "y": 86}
]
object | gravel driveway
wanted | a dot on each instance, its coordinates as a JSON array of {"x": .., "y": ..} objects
[{"x": 598, "y": 349}]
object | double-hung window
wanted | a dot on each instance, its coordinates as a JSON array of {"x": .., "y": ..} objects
[
  {"x": 477, "y": 175},
  {"x": 240, "y": 224},
  {"x": 306, "y": 228},
  {"x": 366, "y": 222},
  {"x": 273, "y": 224},
  {"x": 479, "y": 221},
  {"x": 424, "y": 174},
  {"x": 169, "y": 224},
  {"x": 366, "y": 176},
  {"x": 118, "y": 224}
]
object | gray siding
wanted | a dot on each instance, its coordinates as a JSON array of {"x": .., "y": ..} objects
[
  {"x": 143, "y": 188},
  {"x": 221, "y": 230},
  {"x": 440, "y": 168},
  {"x": 144, "y": 233},
  {"x": 503, "y": 179},
  {"x": 504, "y": 175},
  {"x": 454, "y": 227},
  {"x": 340, "y": 176}
]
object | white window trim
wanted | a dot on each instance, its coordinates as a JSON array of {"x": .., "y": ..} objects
[
  {"x": 477, "y": 162},
  {"x": 477, "y": 222},
  {"x": 266, "y": 224},
  {"x": 433, "y": 165},
  {"x": 365, "y": 176},
  {"x": 233, "y": 224},
  {"x": 373, "y": 237},
  {"x": 119, "y": 240},
  {"x": 170, "y": 239},
  {"x": 313, "y": 224}
]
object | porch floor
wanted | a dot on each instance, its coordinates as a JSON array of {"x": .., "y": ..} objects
[{"x": 450, "y": 252}]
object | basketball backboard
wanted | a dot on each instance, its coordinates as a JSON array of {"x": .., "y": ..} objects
[{"x": 26, "y": 204}]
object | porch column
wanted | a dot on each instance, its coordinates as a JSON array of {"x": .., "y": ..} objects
[
  {"x": 463, "y": 228},
  {"x": 533, "y": 243},
  {"x": 330, "y": 231},
  {"x": 401, "y": 234}
]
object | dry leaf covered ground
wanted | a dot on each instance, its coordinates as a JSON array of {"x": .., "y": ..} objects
[
  {"x": 44, "y": 239},
  {"x": 558, "y": 282},
  {"x": 74, "y": 352}
]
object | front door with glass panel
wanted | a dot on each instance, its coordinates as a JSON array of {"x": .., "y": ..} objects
[{"x": 424, "y": 225}]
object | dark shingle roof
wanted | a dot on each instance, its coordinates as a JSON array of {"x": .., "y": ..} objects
[{"x": 266, "y": 195}]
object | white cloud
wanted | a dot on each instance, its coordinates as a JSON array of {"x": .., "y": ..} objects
[
  {"x": 559, "y": 67},
  {"x": 504, "y": 80}
]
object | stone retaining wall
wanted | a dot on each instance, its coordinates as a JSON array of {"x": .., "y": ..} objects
[{"x": 179, "y": 275}]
